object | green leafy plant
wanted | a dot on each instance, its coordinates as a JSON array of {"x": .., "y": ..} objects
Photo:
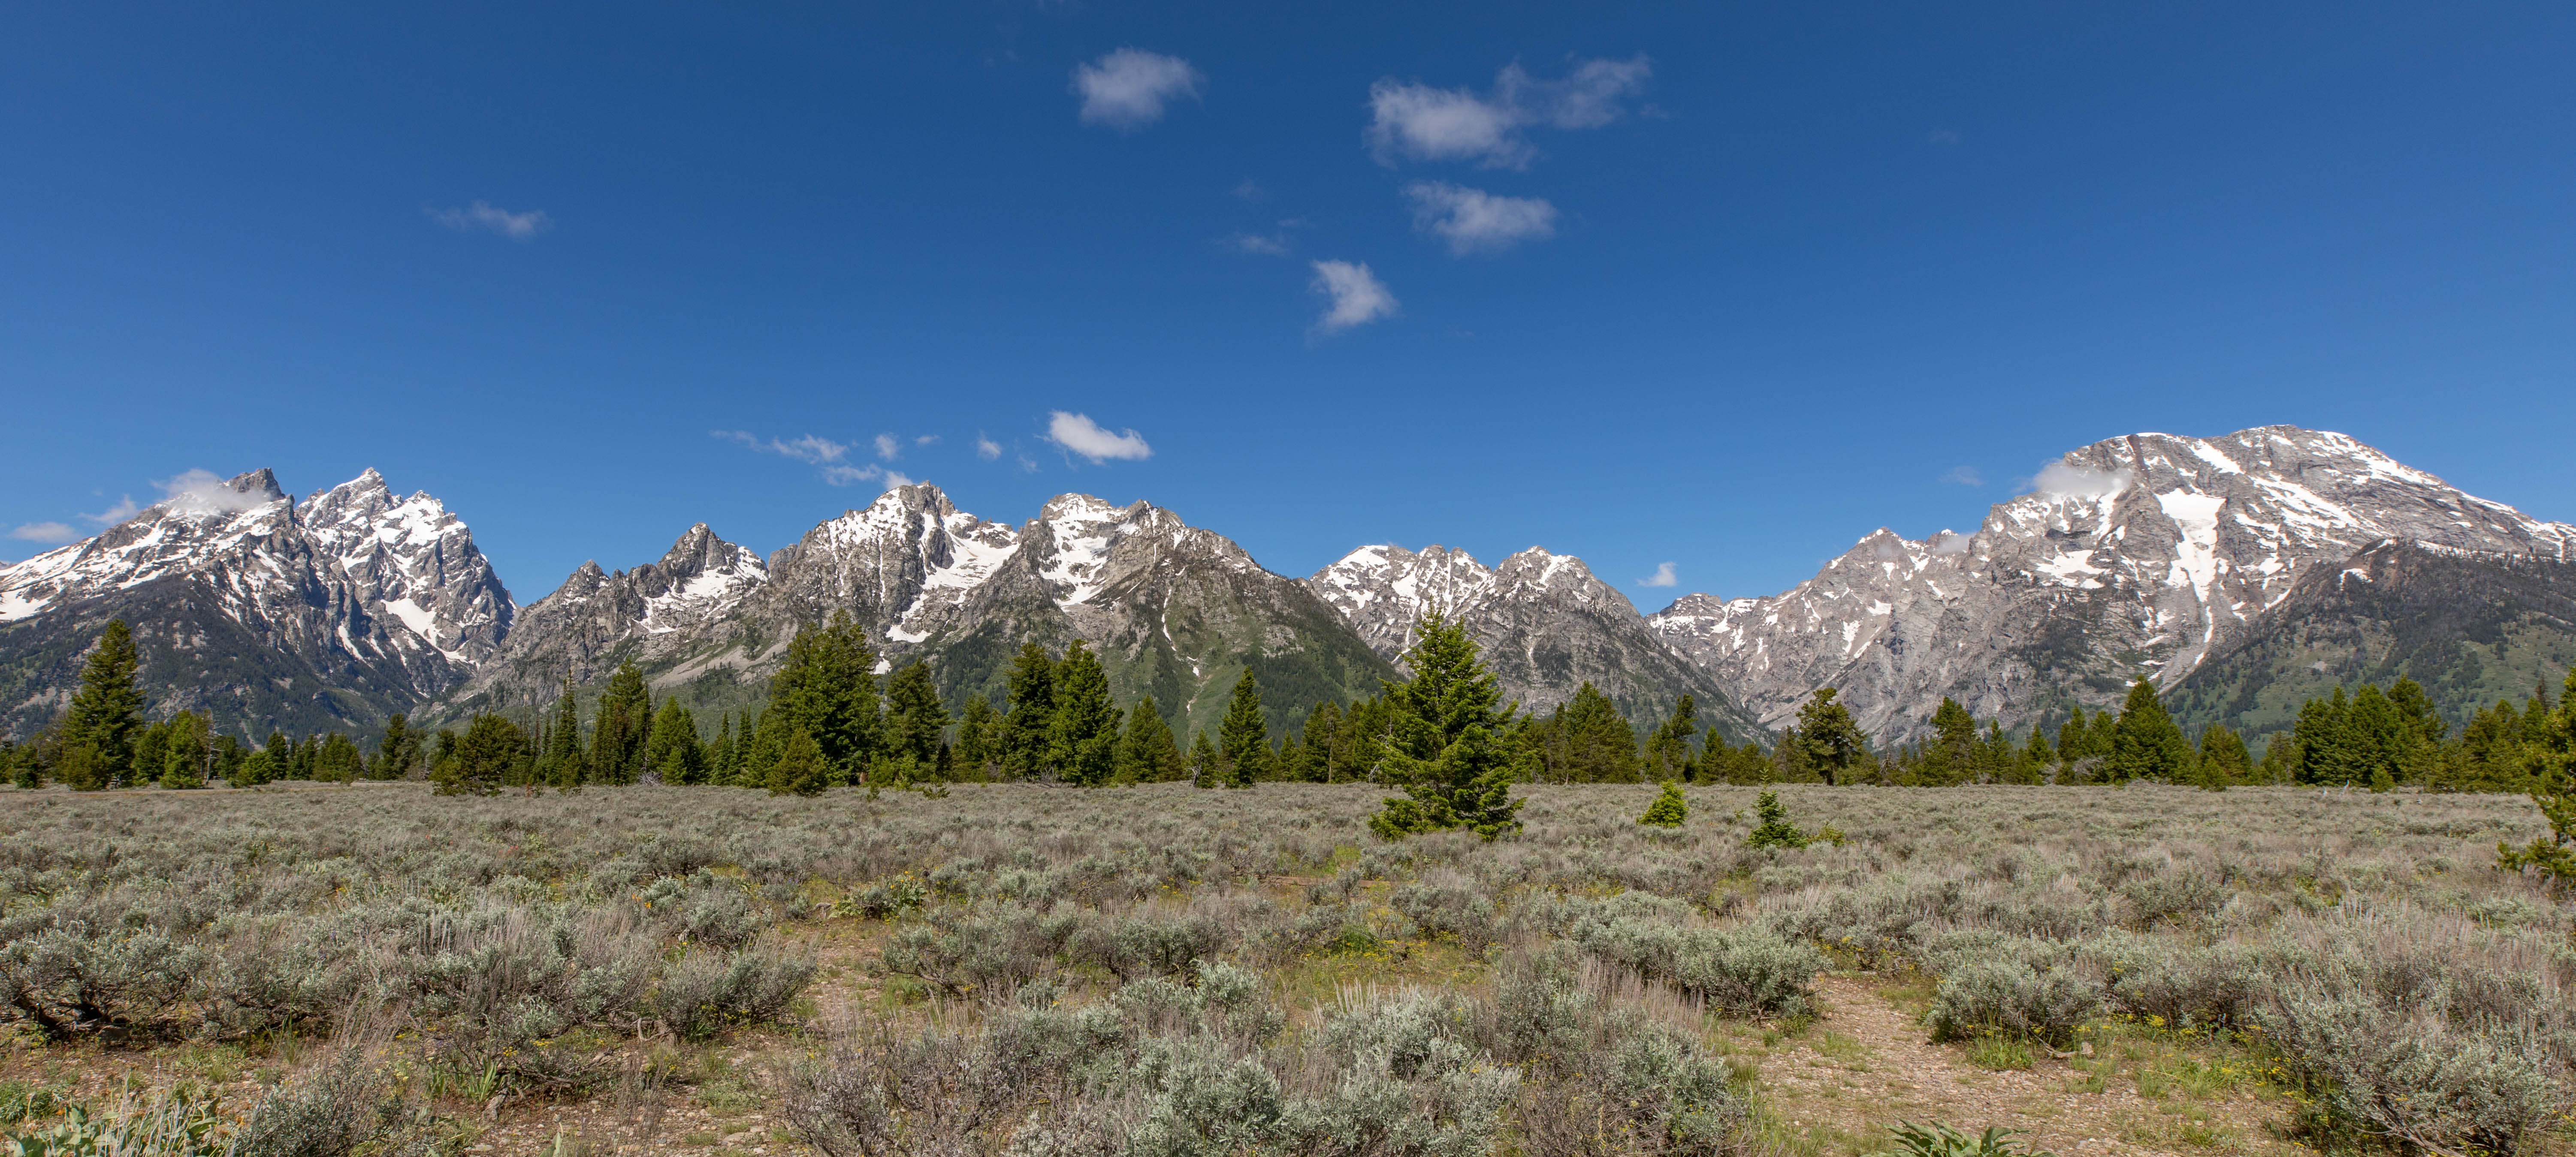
[{"x": 1938, "y": 1140}]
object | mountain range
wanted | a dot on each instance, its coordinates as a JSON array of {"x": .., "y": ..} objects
[{"x": 2240, "y": 573}]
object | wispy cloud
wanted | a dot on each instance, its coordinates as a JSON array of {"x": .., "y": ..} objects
[
  {"x": 925, "y": 439},
  {"x": 987, "y": 449},
  {"x": 1475, "y": 221},
  {"x": 888, "y": 446},
  {"x": 50, "y": 533},
  {"x": 1079, "y": 434},
  {"x": 200, "y": 490},
  {"x": 124, "y": 509},
  {"x": 1250, "y": 190},
  {"x": 1964, "y": 476},
  {"x": 1663, "y": 577},
  {"x": 1413, "y": 121},
  {"x": 1127, "y": 89},
  {"x": 832, "y": 459},
  {"x": 1951, "y": 542},
  {"x": 485, "y": 215},
  {"x": 2067, "y": 480},
  {"x": 1357, "y": 296},
  {"x": 1254, "y": 243}
]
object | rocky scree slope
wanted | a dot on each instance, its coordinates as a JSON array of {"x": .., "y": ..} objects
[
  {"x": 1175, "y": 611},
  {"x": 334, "y": 615},
  {"x": 2147, "y": 553},
  {"x": 1545, "y": 623}
]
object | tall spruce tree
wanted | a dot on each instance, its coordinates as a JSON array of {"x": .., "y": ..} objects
[
  {"x": 1147, "y": 753},
  {"x": 1028, "y": 732},
  {"x": 399, "y": 750},
  {"x": 979, "y": 735},
  {"x": 1445, "y": 750},
  {"x": 488, "y": 755},
  {"x": 2146, "y": 743},
  {"x": 625, "y": 723},
  {"x": 672, "y": 751},
  {"x": 1207, "y": 766},
  {"x": 1828, "y": 743},
  {"x": 1242, "y": 737},
  {"x": 2224, "y": 761},
  {"x": 561, "y": 763},
  {"x": 1083, "y": 745},
  {"x": 187, "y": 750},
  {"x": 1587, "y": 741},
  {"x": 2324, "y": 747},
  {"x": 106, "y": 716},
  {"x": 916, "y": 719},
  {"x": 1668, "y": 748},
  {"x": 801, "y": 768},
  {"x": 827, "y": 688}
]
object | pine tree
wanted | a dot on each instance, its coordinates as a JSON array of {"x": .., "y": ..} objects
[
  {"x": 1147, "y": 752},
  {"x": 2223, "y": 758},
  {"x": 721, "y": 768},
  {"x": 1326, "y": 751},
  {"x": 1668, "y": 753},
  {"x": 978, "y": 739},
  {"x": 1243, "y": 739},
  {"x": 672, "y": 750},
  {"x": 1444, "y": 751},
  {"x": 2324, "y": 741},
  {"x": 2551, "y": 764},
  {"x": 800, "y": 769},
  {"x": 1828, "y": 743},
  {"x": 1669, "y": 810},
  {"x": 106, "y": 715},
  {"x": 916, "y": 719},
  {"x": 1586, "y": 740},
  {"x": 625, "y": 722},
  {"x": 399, "y": 750},
  {"x": 1082, "y": 744},
  {"x": 338, "y": 760},
  {"x": 1207, "y": 766},
  {"x": 2146, "y": 743},
  {"x": 561, "y": 763},
  {"x": 488, "y": 755},
  {"x": 827, "y": 688},
  {"x": 186, "y": 750},
  {"x": 1028, "y": 732}
]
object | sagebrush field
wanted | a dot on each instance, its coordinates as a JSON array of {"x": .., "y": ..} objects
[{"x": 1166, "y": 970}]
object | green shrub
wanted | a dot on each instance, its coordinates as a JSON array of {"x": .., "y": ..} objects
[
  {"x": 1448, "y": 904},
  {"x": 2008, "y": 996},
  {"x": 1670, "y": 809}
]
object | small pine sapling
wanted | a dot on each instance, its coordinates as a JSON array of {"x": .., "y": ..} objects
[
  {"x": 1775, "y": 831},
  {"x": 1669, "y": 809}
]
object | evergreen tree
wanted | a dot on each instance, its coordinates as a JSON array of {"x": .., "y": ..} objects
[
  {"x": 1147, "y": 753},
  {"x": 1207, "y": 766},
  {"x": 338, "y": 760},
  {"x": 150, "y": 751},
  {"x": 106, "y": 715},
  {"x": 1669, "y": 810},
  {"x": 827, "y": 688},
  {"x": 1444, "y": 749},
  {"x": 1586, "y": 740},
  {"x": 259, "y": 768},
  {"x": 2324, "y": 745},
  {"x": 801, "y": 769},
  {"x": 1668, "y": 749},
  {"x": 2146, "y": 743},
  {"x": 916, "y": 719},
  {"x": 489, "y": 754},
  {"x": 2223, "y": 758},
  {"x": 399, "y": 750},
  {"x": 1327, "y": 753},
  {"x": 1083, "y": 743},
  {"x": 721, "y": 768},
  {"x": 561, "y": 763},
  {"x": 2037, "y": 755},
  {"x": 2551, "y": 765},
  {"x": 1827, "y": 742},
  {"x": 672, "y": 750},
  {"x": 979, "y": 737},
  {"x": 1243, "y": 739},
  {"x": 187, "y": 750},
  {"x": 625, "y": 723},
  {"x": 1028, "y": 732},
  {"x": 1954, "y": 741}
]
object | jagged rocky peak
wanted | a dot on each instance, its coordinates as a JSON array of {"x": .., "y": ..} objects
[
  {"x": 1081, "y": 545},
  {"x": 416, "y": 560}
]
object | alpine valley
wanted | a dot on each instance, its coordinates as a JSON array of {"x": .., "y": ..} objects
[{"x": 2239, "y": 573}]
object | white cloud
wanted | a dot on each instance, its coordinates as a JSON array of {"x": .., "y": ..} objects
[
  {"x": 844, "y": 475},
  {"x": 987, "y": 449},
  {"x": 1964, "y": 476},
  {"x": 202, "y": 491},
  {"x": 888, "y": 446},
  {"x": 46, "y": 532},
  {"x": 1257, "y": 244},
  {"x": 807, "y": 448},
  {"x": 2067, "y": 480},
  {"x": 1951, "y": 542},
  {"x": 124, "y": 509},
  {"x": 1475, "y": 221},
  {"x": 1663, "y": 577},
  {"x": 1079, "y": 434},
  {"x": 1250, "y": 190},
  {"x": 1358, "y": 296},
  {"x": 484, "y": 215},
  {"x": 1409, "y": 121},
  {"x": 1127, "y": 89},
  {"x": 925, "y": 439}
]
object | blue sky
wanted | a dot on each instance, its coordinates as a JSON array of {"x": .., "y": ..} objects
[{"x": 1720, "y": 286}]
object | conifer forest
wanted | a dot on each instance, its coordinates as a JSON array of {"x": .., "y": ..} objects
[{"x": 862, "y": 919}]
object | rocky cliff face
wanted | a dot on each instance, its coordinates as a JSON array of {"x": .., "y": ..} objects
[
  {"x": 2138, "y": 554},
  {"x": 1175, "y": 611},
  {"x": 1545, "y": 624},
  {"x": 332, "y": 616}
]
